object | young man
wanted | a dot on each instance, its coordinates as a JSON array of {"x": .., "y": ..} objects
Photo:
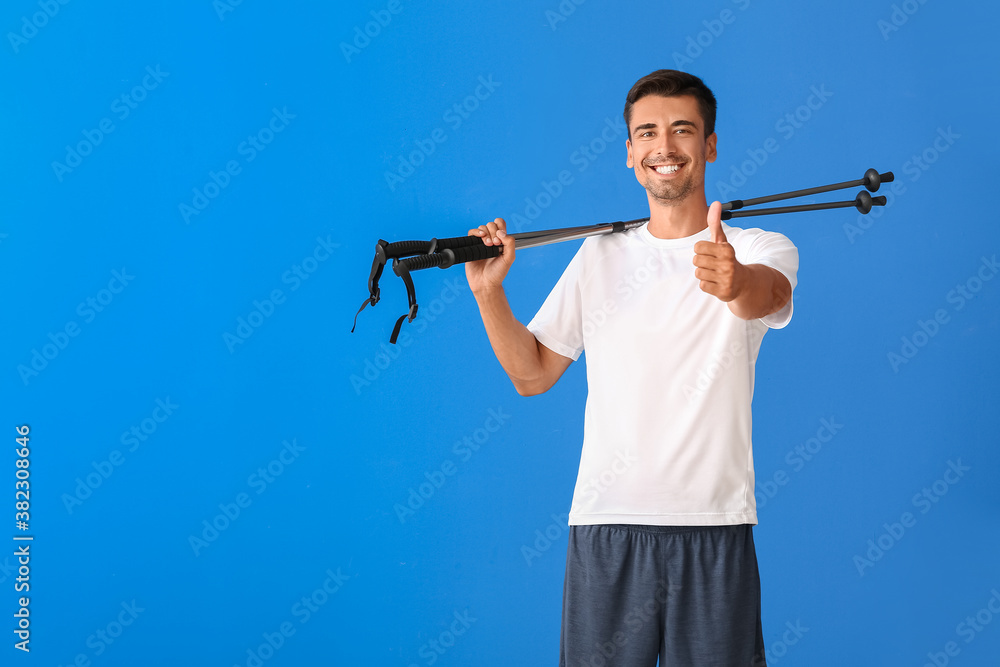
[{"x": 661, "y": 559}]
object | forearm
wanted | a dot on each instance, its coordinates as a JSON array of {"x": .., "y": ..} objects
[
  {"x": 764, "y": 291},
  {"x": 515, "y": 347}
]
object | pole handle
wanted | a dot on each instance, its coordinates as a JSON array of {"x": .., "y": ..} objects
[
  {"x": 447, "y": 257},
  {"x": 406, "y": 248}
]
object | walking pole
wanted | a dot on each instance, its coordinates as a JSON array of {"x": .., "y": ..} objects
[{"x": 410, "y": 256}]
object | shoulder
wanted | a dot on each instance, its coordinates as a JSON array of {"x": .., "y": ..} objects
[
  {"x": 602, "y": 255},
  {"x": 754, "y": 243},
  {"x": 756, "y": 246},
  {"x": 740, "y": 237},
  {"x": 596, "y": 249}
]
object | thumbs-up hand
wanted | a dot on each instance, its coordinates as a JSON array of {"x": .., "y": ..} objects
[{"x": 718, "y": 271}]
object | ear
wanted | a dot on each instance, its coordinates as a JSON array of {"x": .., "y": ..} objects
[
  {"x": 710, "y": 153},
  {"x": 628, "y": 153}
]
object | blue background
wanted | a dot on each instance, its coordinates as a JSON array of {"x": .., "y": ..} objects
[{"x": 909, "y": 87}]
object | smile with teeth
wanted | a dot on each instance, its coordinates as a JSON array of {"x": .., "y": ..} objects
[{"x": 667, "y": 168}]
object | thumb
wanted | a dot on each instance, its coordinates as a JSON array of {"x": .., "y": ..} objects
[{"x": 715, "y": 223}]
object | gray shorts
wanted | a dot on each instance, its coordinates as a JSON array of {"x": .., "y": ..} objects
[{"x": 688, "y": 595}]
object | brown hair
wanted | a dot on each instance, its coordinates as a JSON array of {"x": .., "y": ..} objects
[{"x": 672, "y": 83}]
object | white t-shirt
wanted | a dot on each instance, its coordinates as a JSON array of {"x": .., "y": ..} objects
[{"x": 670, "y": 375}]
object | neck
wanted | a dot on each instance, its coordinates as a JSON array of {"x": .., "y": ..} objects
[{"x": 677, "y": 220}]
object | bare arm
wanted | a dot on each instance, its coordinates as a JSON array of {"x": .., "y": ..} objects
[
  {"x": 532, "y": 367},
  {"x": 763, "y": 291}
]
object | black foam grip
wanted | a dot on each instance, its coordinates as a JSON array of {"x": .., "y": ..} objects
[
  {"x": 407, "y": 248},
  {"x": 419, "y": 262},
  {"x": 887, "y": 177},
  {"x": 458, "y": 242},
  {"x": 404, "y": 248},
  {"x": 476, "y": 252}
]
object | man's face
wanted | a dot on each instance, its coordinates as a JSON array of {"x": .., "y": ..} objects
[{"x": 668, "y": 149}]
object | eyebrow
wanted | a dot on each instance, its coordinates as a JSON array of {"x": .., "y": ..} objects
[{"x": 653, "y": 126}]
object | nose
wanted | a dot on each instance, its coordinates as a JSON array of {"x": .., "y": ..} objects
[{"x": 665, "y": 143}]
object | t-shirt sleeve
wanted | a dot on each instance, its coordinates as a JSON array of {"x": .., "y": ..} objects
[
  {"x": 558, "y": 324},
  {"x": 778, "y": 252}
]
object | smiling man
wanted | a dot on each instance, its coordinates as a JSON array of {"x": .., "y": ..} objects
[{"x": 661, "y": 562}]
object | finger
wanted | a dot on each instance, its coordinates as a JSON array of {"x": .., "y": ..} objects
[
  {"x": 705, "y": 262},
  {"x": 709, "y": 275},
  {"x": 482, "y": 230},
  {"x": 489, "y": 233},
  {"x": 497, "y": 226},
  {"x": 715, "y": 222},
  {"x": 707, "y": 249},
  {"x": 508, "y": 245},
  {"x": 708, "y": 288}
]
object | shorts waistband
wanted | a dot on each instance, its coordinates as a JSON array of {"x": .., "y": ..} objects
[{"x": 663, "y": 530}]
